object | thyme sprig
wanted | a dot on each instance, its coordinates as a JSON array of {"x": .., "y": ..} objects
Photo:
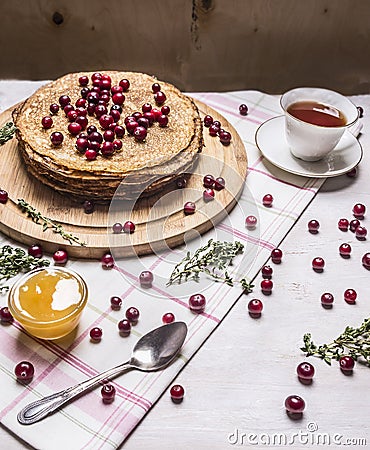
[
  {"x": 354, "y": 342},
  {"x": 47, "y": 223},
  {"x": 14, "y": 260},
  {"x": 7, "y": 132},
  {"x": 213, "y": 259}
]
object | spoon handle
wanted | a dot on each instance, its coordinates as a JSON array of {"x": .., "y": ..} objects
[{"x": 37, "y": 410}]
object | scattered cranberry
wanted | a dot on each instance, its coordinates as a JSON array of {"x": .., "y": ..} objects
[
  {"x": 343, "y": 224},
  {"x": 160, "y": 97},
  {"x": 56, "y": 138},
  {"x": 359, "y": 210},
  {"x": 225, "y": 137},
  {"x": 313, "y": 226},
  {"x": 327, "y": 300},
  {"x": 305, "y": 372},
  {"x": 208, "y": 181},
  {"x": 350, "y": 296},
  {"x": 105, "y": 120},
  {"x": 150, "y": 117},
  {"x": 82, "y": 144},
  {"x": 5, "y": 315},
  {"x": 54, "y": 108},
  {"x": 60, "y": 257},
  {"x": 3, "y": 196},
  {"x": 208, "y": 195},
  {"x": 107, "y": 261},
  {"x": 294, "y": 405},
  {"x": 146, "y": 279},
  {"x": 352, "y": 173},
  {"x": 162, "y": 120},
  {"x": 168, "y": 318},
  {"x": 267, "y": 272},
  {"x": 118, "y": 98},
  {"x": 96, "y": 333},
  {"x": 267, "y": 200},
  {"x": 74, "y": 128},
  {"x": 213, "y": 130},
  {"x": 95, "y": 136},
  {"x": 81, "y": 103},
  {"x": 255, "y": 308},
  {"x": 177, "y": 393},
  {"x": 346, "y": 364},
  {"x": 35, "y": 251},
  {"x": 128, "y": 227},
  {"x": 131, "y": 126},
  {"x": 91, "y": 129},
  {"x": 360, "y": 110},
  {"x": 354, "y": 224},
  {"x": 115, "y": 303},
  {"x": 361, "y": 233},
  {"x": 64, "y": 100},
  {"x": 124, "y": 327},
  {"x": 266, "y": 286},
  {"x": 219, "y": 184},
  {"x": 125, "y": 84},
  {"x": 107, "y": 148},
  {"x": 366, "y": 261},
  {"x": 72, "y": 115},
  {"x": 197, "y": 303},
  {"x": 217, "y": 124},
  {"x": 88, "y": 206},
  {"x": 189, "y": 208},
  {"x": 165, "y": 110},
  {"x": 243, "y": 109},
  {"x": 119, "y": 131},
  {"x": 84, "y": 91},
  {"x": 108, "y": 392},
  {"x": 132, "y": 314},
  {"x": 47, "y": 122},
  {"x": 140, "y": 133},
  {"x": 24, "y": 371},
  {"x": 100, "y": 110},
  {"x": 318, "y": 264},
  {"x": 83, "y": 80},
  {"x": 251, "y": 222},
  {"x": 276, "y": 255},
  {"x": 117, "y": 228},
  {"x": 82, "y": 121},
  {"x": 208, "y": 121},
  {"x": 143, "y": 122},
  {"x": 91, "y": 154},
  {"x": 345, "y": 250}
]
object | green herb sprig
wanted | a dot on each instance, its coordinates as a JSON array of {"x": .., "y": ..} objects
[
  {"x": 354, "y": 342},
  {"x": 14, "y": 260},
  {"x": 7, "y": 132},
  {"x": 47, "y": 223},
  {"x": 213, "y": 259}
]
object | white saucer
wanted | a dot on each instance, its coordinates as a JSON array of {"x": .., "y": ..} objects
[{"x": 270, "y": 139}]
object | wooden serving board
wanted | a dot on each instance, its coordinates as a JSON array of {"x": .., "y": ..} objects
[{"x": 160, "y": 220}]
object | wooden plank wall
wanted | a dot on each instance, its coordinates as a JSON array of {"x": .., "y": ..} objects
[{"x": 269, "y": 45}]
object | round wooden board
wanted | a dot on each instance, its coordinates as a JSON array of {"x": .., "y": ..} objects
[{"x": 160, "y": 220}]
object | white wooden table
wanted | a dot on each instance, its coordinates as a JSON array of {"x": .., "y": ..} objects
[{"x": 237, "y": 382}]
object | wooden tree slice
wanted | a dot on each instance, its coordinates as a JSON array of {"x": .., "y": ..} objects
[{"x": 160, "y": 220}]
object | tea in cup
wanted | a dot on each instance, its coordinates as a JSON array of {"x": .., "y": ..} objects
[{"x": 315, "y": 120}]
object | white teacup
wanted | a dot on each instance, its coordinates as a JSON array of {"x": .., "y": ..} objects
[{"x": 312, "y": 142}]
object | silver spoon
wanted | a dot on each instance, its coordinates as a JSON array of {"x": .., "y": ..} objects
[{"x": 153, "y": 351}]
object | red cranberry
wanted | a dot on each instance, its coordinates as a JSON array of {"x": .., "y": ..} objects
[
  {"x": 243, "y": 109},
  {"x": 146, "y": 279},
  {"x": 91, "y": 154},
  {"x": 267, "y": 272},
  {"x": 116, "y": 116},
  {"x": 208, "y": 195},
  {"x": 327, "y": 300},
  {"x": 318, "y": 264},
  {"x": 350, "y": 296},
  {"x": 105, "y": 84},
  {"x": 91, "y": 129},
  {"x": 119, "y": 131},
  {"x": 35, "y": 251},
  {"x": 156, "y": 87},
  {"x": 132, "y": 125},
  {"x": 117, "y": 144},
  {"x": 345, "y": 250},
  {"x": 160, "y": 97},
  {"x": 168, "y": 318},
  {"x": 189, "y": 208},
  {"x": 162, "y": 121},
  {"x": 128, "y": 227},
  {"x": 88, "y": 206},
  {"x": 81, "y": 111},
  {"x": 251, "y": 222},
  {"x": 84, "y": 91},
  {"x": 107, "y": 261},
  {"x": 140, "y": 133},
  {"x": 165, "y": 110},
  {"x": 276, "y": 255},
  {"x": 80, "y": 103},
  {"x": 305, "y": 372},
  {"x": 82, "y": 144},
  {"x": 147, "y": 107},
  {"x": 108, "y": 392},
  {"x": 56, "y": 138},
  {"x": 352, "y": 173},
  {"x": 92, "y": 97},
  {"x": 177, "y": 393},
  {"x": 156, "y": 112},
  {"x": 266, "y": 286},
  {"x": 96, "y": 333},
  {"x": 343, "y": 224},
  {"x": 125, "y": 84},
  {"x": 82, "y": 120},
  {"x": 96, "y": 77},
  {"x": 124, "y": 327},
  {"x": 3, "y": 196},
  {"x": 213, "y": 130},
  {"x": 136, "y": 115},
  {"x": 118, "y": 98},
  {"x": 115, "y": 303},
  {"x": 313, "y": 226},
  {"x": 60, "y": 257},
  {"x": 208, "y": 121},
  {"x": 346, "y": 363},
  {"x": 108, "y": 135},
  {"x": 100, "y": 110},
  {"x": 150, "y": 117},
  {"x": 95, "y": 136},
  {"x": 366, "y": 261},
  {"x": 208, "y": 181},
  {"x": 94, "y": 145},
  {"x": 107, "y": 148},
  {"x": 359, "y": 210},
  {"x": 117, "y": 228},
  {"x": 72, "y": 115},
  {"x": 74, "y": 128},
  {"x": 104, "y": 98},
  {"x": 64, "y": 100},
  {"x": 116, "y": 88},
  {"x": 361, "y": 233},
  {"x": 255, "y": 307},
  {"x": 132, "y": 314},
  {"x": 5, "y": 315},
  {"x": 143, "y": 122},
  {"x": 267, "y": 200},
  {"x": 294, "y": 404},
  {"x": 225, "y": 138},
  {"x": 24, "y": 371},
  {"x": 47, "y": 122},
  {"x": 197, "y": 303},
  {"x": 217, "y": 124},
  {"x": 219, "y": 184},
  {"x": 54, "y": 108},
  {"x": 67, "y": 109},
  {"x": 105, "y": 120},
  {"x": 354, "y": 224}
]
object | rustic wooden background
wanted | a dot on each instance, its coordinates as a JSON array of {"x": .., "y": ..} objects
[{"x": 269, "y": 45}]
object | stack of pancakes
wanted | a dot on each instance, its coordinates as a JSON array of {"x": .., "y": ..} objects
[{"x": 143, "y": 168}]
